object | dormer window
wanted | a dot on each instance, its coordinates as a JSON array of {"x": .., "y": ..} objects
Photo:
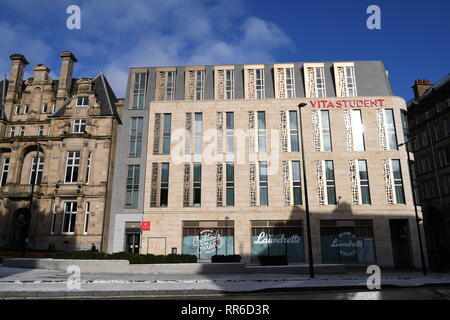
[
  {"x": 79, "y": 125},
  {"x": 44, "y": 108},
  {"x": 82, "y": 101},
  {"x": 26, "y": 108}
]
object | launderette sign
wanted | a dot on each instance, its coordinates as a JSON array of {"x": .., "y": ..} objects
[
  {"x": 347, "y": 243},
  {"x": 346, "y": 103},
  {"x": 207, "y": 241}
]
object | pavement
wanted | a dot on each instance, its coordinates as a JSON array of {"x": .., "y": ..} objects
[{"x": 19, "y": 283}]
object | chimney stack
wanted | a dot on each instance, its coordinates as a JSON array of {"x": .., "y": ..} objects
[
  {"x": 420, "y": 86},
  {"x": 65, "y": 77},
  {"x": 15, "y": 79},
  {"x": 40, "y": 73}
]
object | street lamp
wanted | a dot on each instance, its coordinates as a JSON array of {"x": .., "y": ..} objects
[
  {"x": 422, "y": 256},
  {"x": 305, "y": 186}
]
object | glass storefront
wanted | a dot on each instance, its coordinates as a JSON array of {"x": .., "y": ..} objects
[
  {"x": 273, "y": 238},
  {"x": 347, "y": 241},
  {"x": 207, "y": 238}
]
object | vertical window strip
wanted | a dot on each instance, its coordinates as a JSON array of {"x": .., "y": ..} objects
[
  {"x": 320, "y": 182},
  {"x": 296, "y": 183},
  {"x": 219, "y": 184},
  {"x": 88, "y": 167},
  {"x": 136, "y": 132},
  {"x": 199, "y": 84},
  {"x": 198, "y": 134},
  {"x": 290, "y": 89},
  {"x": 330, "y": 182},
  {"x": 263, "y": 184},
  {"x": 164, "y": 187},
  {"x": 388, "y": 181},
  {"x": 284, "y": 131},
  {"x": 53, "y": 222},
  {"x": 87, "y": 213},
  {"x": 219, "y": 132},
  {"x": 259, "y": 77},
  {"x": 350, "y": 81},
  {"x": 187, "y": 185},
  {"x": 5, "y": 170},
  {"x": 132, "y": 187},
  {"x": 166, "y": 133},
  {"x": 229, "y": 84},
  {"x": 363, "y": 179},
  {"x": 286, "y": 183},
  {"x": 229, "y": 183},
  {"x": 354, "y": 182},
  {"x": 293, "y": 131},
  {"x": 170, "y": 85},
  {"x": 281, "y": 85},
  {"x": 381, "y": 130},
  {"x": 325, "y": 130},
  {"x": 139, "y": 90},
  {"x": 349, "y": 130},
  {"x": 261, "y": 131},
  {"x": 188, "y": 133},
  {"x": 197, "y": 184},
  {"x": 390, "y": 129},
  {"x": 316, "y": 130},
  {"x": 397, "y": 182},
  {"x": 154, "y": 185},
  {"x": 251, "y": 132},
  {"x": 357, "y": 130},
  {"x": 252, "y": 183},
  {"x": 230, "y": 131},
  {"x": 320, "y": 82}
]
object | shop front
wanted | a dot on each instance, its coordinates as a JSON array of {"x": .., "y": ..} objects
[
  {"x": 347, "y": 241},
  {"x": 273, "y": 238},
  {"x": 207, "y": 238}
]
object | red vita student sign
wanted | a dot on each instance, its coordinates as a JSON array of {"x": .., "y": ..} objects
[{"x": 145, "y": 226}]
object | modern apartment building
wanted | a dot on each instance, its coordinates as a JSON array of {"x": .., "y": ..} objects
[
  {"x": 429, "y": 132},
  {"x": 56, "y": 146},
  {"x": 209, "y": 162}
]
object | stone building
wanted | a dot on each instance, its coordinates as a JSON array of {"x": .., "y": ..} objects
[
  {"x": 56, "y": 151},
  {"x": 209, "y": 162},
  {"x": 429, "y": 132}
]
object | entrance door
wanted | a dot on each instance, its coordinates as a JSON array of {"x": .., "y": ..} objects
[
  {"x": 400, "y": 243},
  {"x": 21, "y": 228},
  {"x": 133, "y": 242}
]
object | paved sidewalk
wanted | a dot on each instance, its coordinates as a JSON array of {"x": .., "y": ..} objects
[{"x": 34, "y": 283}]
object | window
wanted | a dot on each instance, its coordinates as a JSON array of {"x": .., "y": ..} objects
[
  {"x": 363, "y": 179},
  {"x": 447, "y": 127},
  {"x": 330, "y": 182},
  {"x": 139, "y": 90},
  {"x": 293, "y": 131},
  {"x": 325, "y": 131},
  {"x": 164, "y": 190},
  {"x": 44, "y": 108},
  {"x": 320, "y": 83},
  {"x": 53, "y": 222},
  {"x": 21, "y": 131},
  {"x": 132, "y": 187},
  {"x": 166, "y": 133},
  {"x": 424, "y": 137},
  {"x": 170, "y": 85},
  {"x": 229, "y": 84},
  {"x": 351, "y": 84},
  {"x": 40, "y": 130},
  {"x": 17, "y": 110},
  {"x": 5, "y": 170},
  {"x": 230, "y": 184},
  {"x": 197, "y": 184},
  {"x": 12, "y": 131},
  {"x": 69, "y": 217},
  {"x": 230, "y": 131},
  {"x": 390, "y": 129},
  {"x": 88, "y": 167},
  {"x": 37, "y": 164},
  {"x": 72, "y": 166},
  {"x": 296, "y": 183},
  {"x": 79, "y": 126},
  {"x": 259, "y": 79},
  {"x": 261, "y": 131},
  {"x": 198, "y": 133},
  {"x": 53, "y": 108},
  {"x": 199, "y": 84},
  {"x": 314, "y": 80},
  {"x": 87, "y": 212},
  {"x": 345, "y": 82},
  {"x": 263, "y": 184},
  {"x": 398, "y": 182},
  {"x": 357, "y": 130},
  {"x": 290, "y": 90},
  {"x": 136, "y": 132},
  {"x": 83, "y": 101},
  {"x": 26, "y": 108}
]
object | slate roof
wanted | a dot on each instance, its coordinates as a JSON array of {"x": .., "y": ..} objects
[{"x": 437, "y": 86}]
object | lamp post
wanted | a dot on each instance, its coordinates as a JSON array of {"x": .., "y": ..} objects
[
  {"x": 422, "y": 256},
  {"x": 305, "y": 186}
]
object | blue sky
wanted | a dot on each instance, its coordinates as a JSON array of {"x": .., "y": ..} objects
[{"x": 115, "y": 34}]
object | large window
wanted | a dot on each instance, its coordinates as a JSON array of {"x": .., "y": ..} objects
[
  {"x": 261, "y": 131},
  {"x": 229, "y": 84},
  {"x": 139, "y": 90},
  {"x": 320, "y": 82},
  {"x": 198, "y": 135},
  {"x": 230, "y": 131},
  {"x": 229, "y": 184},
  {"x": 69, "y": 217},
  {"x": 274, "y": 238},
  {"x": 136, "y": 133},
  {"x": 170, "y": 85},
  {"x": 79, "y": 126},
  {"x": 164, "y": 190},
  {"x": 290, "y": 90},
  {"x": 357, "y": 130},
  {"x": 72, "y": 166},
  {"x": 83, "y": 101},
  {"x": 5, "y": 170},
  {"x": 259, "y": 86},
  {"x": 199, "y": 84},
  {"x": 132, "y": 187},
  {"x": 351, "y": 82},
  {"x": 166, "y": 133},
  {"x": 347, "y": 241},
  {"x": 37, "y": 167},
  {"x": 263, "y": 184},
  {"x": 197, "y": 183}
]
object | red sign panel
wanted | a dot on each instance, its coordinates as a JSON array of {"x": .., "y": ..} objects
[{"x": 145, "y": 226}]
